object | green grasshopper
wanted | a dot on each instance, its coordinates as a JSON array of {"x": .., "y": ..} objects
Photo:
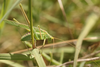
[
  {"x": 36, "y": 32},
  {"x": 39, "y": 34}
]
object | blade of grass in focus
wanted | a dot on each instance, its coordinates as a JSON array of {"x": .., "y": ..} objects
[
  {"x": 31, "y": 23},
  {"x": 38, "y": 58},
  {"x": 35, "y": 53}
]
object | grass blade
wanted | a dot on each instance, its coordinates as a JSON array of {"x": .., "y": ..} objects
[
  {"x": 5, "y": 7},
  {"x": 49, "y": 59},
  {"x": 38, "y": 58},
  {"x": 62, "y": 56},
  {"x": 31, "y": 23},
  {"x": 11, "y": 63},
  {"x": 10, "y": 56},
  {"x": 90, "y": 22},
  {"x": 18, "y": 1}
]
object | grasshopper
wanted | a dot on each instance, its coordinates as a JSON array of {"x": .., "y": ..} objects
[
  {"x": 36, "y": 34},
  {"x": 39, "y": 34}
]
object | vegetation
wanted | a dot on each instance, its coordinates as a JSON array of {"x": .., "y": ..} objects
[{"x": 55, "y": 33}]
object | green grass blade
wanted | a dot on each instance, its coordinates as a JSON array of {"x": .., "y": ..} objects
[
  {"x": 62, "y": 56},
  {"x": 10, "y": 56},
  {"x": 5, "y": 7},
  {"x": 31, "y": 22},
  {"x": 38, "y": 58},
  {"x": 90, "y": 22},
  {"x": 49, "y": 59},
  {"x": 82, "y": 64},
  {"x": 57, "y": 50},
  {"x": 18, "y": 1},
  {"x": 28, "y": 43},
  {"x": 13, "y": 64}
]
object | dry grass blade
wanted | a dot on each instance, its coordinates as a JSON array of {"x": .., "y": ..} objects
[
  {"x": 50, "y": 45},
  {"x": 64, "y": 14},
  {"x": 80, "y": 60},
  {"x": 92, "y": 54}
]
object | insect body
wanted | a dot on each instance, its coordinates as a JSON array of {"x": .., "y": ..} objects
[{"x": 38, "y": 36}]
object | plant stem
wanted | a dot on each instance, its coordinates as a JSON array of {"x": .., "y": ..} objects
[
  {"x": 81, "y": 60},
  {"x": 12, "y": 56},
  {"x": 12, "y": 64},
  {"x": 48, "y": 58},
  {"x": 31, "y": 23}
]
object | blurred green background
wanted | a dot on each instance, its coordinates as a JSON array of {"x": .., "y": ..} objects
[{"x": 48, "y": 15}]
